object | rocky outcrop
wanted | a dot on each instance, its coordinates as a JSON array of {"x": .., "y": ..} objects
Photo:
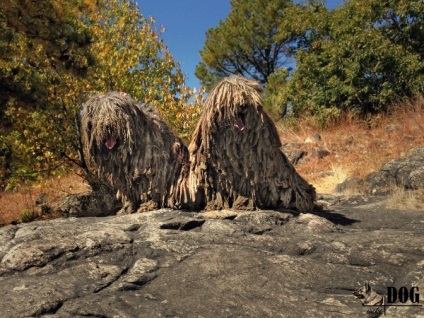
[
  {"x": 100, "y": 202},
  {"x": 169, "y": 263},
  {"x": 405, "y": 172},
  {"x": 312, "y": 148}
]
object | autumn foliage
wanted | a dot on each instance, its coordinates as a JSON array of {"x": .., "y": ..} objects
[{"x": 54, "y": 54}]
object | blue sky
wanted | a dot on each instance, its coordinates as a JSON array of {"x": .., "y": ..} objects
[{"x": 186, "y": 23}]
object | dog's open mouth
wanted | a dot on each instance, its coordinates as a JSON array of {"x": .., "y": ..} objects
[
  {"x": 110, "y": 142},
  {"x": 359, "y": 296},
  {"x": 239, "y": 122}
]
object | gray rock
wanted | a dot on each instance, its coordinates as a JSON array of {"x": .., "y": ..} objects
[
  {"x": 169, "y": 263},
  {"x": 350, "y": 184},
  {"x": 321, "y": 153},
  {"x": 415, "y": 179},
  {"x": 101, "y": 202},
  {"x": 297, "y": 155},
  {"x": 313, "y": 138},
  {"x": 295, "y": 152},
  {"x": 405, "y": 172},
  {"x": 41, "y": 199},
  {"x": 300, "y": 153}
]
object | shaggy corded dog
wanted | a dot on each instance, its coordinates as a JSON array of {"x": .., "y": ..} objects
[
  {"x": 235, "y": 157},
  {"x": 234, "y": 160},
  {"x": 134, "y": 148}
]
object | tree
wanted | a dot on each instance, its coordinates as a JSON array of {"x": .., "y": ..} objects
[
  {"x": 102, "y": 45},
  {"x": 38, "y": 38},
  {"x": 246, "y": 43},
  {"x": 38, "y": 42},
  {"x": 131, "y": 57},
  {"x": 365, "y": 56},
  {"x": 273, "y": 97}
]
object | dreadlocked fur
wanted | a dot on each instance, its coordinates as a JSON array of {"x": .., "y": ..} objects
[
  {"x": 132, "y": 146},
  {"x": 235, "y": 157}
]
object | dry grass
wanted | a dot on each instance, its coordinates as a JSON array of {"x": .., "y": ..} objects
[
  {"x": 406, "y": 200},
  {"x": 21, "y": 203},
  {"x": 336, "y": 175},
  {"x": 358, "y": 146}
]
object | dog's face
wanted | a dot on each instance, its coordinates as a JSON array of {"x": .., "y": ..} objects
[
  {"x": 363, "y": 292},
  {"x": 231, "y": 102},
  {"x": 107, "y": 121},
  {"x": 239, "y": 120},
  {"x": 368, "y": 296}
]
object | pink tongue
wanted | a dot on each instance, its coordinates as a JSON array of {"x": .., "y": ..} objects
[
  {"x": 238, "y": 123},
  {"x": 110, "y": 143}
]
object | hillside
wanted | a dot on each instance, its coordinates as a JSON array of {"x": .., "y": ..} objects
[{"x": 356, "y": 146}]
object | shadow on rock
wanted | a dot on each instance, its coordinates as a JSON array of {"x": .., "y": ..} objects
[{"x": 336, "y": 218}]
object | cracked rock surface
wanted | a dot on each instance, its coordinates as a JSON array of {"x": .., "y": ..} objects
[{"x": 169, "y": 263}]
